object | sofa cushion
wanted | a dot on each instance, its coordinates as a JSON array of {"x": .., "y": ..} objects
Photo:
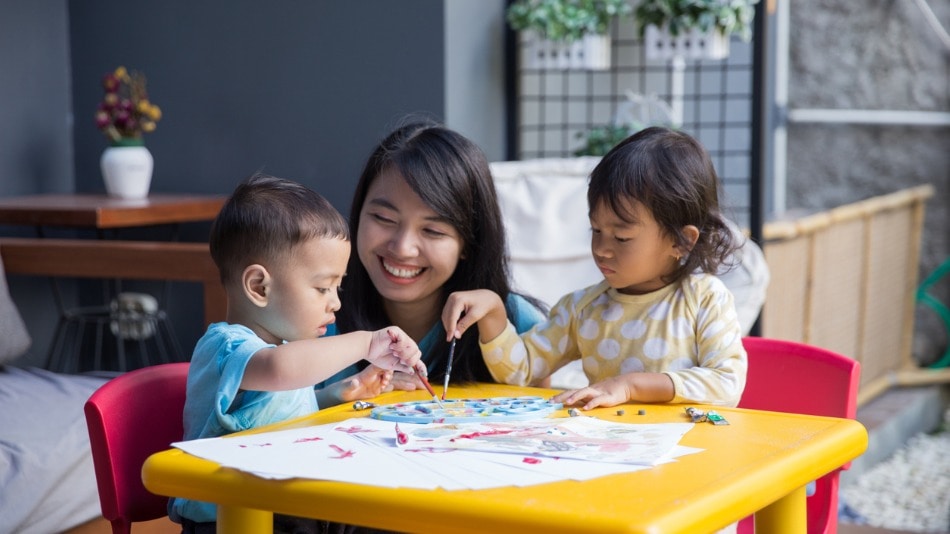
[{"x": 14, "y": 338}]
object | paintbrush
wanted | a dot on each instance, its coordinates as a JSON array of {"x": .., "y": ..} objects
[
  {"x": 448, "y": 368},
  {"x": 425, "y": 382},
  {"x": 420, "y": 373}
]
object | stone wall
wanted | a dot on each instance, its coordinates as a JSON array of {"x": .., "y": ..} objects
[{"x": 878, "y": 55}]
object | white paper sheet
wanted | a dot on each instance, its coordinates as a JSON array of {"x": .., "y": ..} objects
[{"x": 364, "y": 451}]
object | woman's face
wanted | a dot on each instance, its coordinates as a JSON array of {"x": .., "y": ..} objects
[{"x": 408, "y": 250}]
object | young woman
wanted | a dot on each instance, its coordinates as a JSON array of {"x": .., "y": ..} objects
[{"x": 425, "y": 222}]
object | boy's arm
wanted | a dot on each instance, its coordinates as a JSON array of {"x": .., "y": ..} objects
[{"x": 302, "y": 363}]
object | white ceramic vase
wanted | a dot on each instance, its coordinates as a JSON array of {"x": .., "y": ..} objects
[{"x": 127, "y": 171}]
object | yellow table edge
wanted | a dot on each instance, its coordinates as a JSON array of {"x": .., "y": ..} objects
[{"x": 173, "y": 472}]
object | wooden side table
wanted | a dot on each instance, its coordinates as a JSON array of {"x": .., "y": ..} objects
[{"x": 101, "y": 213}]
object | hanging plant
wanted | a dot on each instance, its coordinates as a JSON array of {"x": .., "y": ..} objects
[
  {"x": 727, "y": 17},
  {"x": 565, "y": 20}
]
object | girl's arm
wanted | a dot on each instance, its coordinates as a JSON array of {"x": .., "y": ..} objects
[
  {"x": 512, "y": 358},
  {"x": 720, "y": 373},
  {"x": 479, "y": 306},
  {"x": 302, "y": 363},
  {"x": 638, "y": 387}
]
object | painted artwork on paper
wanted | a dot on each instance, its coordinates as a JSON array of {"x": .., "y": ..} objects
[
  {"x": 467, "y": 410},
  {"x": 583, "y": 438}
]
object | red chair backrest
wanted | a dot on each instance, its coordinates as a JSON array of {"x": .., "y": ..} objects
[
  {"x": 785, "y": 376},
  {"x": 129, "y": 418}
]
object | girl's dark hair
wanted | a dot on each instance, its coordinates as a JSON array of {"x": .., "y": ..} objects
[
  {"x": 451, "y": 175},
  {"x": 670, "y": 173},
  {"x": 264, "y": 218}
]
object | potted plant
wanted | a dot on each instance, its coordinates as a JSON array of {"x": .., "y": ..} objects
[
  {"x": 567, "y": 33},
  {"x": 124, "y": 115},
  {"x": 693, "y": 28},
  {"x": 636, "y": 112},
  {"x": 600, "y": 139}
]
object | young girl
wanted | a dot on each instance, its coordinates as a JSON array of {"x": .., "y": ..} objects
[
  {"x": 426, "y": 223},
  {"x": 659, "y": 327}
]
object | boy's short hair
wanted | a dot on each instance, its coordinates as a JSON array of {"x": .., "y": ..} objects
[{"x": 265, "y": 218}]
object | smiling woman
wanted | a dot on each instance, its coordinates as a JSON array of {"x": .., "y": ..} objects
[{"x": 425, "y": 222}]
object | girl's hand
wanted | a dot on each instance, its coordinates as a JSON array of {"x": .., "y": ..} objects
[
  {"x": 610, "y": 392},
  {"x": 637, "y": 387},
  {"x": 366, "y": 384},
  {"x": 466, "y": 308},
  {"x": 391, "y": 348}
]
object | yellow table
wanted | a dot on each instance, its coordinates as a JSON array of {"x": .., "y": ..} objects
[{"x": 759, "y": 463}]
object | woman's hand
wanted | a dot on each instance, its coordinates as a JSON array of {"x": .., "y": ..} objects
[
  {"x": 366, "y": 384},
  {"x": 405, "y": 382}
]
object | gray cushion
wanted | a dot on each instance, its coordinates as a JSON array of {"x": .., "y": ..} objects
[{"x": 14, "y": 338}]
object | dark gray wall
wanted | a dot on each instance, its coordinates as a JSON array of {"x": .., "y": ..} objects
[
  {"x": 300, "y": 89},
  {"x": 35, "y": 137},
  {"x": 36, "y": 133}
]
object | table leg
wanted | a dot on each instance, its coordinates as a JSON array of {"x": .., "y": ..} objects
[
  {"x": 237, "y": 520},
  {"x": 784, "y": 516}
]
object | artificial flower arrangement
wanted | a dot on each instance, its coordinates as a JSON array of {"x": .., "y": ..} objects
[{"x": 125, "y": 112}]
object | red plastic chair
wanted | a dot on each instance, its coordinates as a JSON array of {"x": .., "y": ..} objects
[
  {"x": 129, "y": 418},
  {"x": 785, "y": 376}
]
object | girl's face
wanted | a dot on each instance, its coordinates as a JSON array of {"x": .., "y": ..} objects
[
  {"x": 408, "y": 250},
  {"x": 303, "y": 293},
  {"x": 632, "y": 256}
]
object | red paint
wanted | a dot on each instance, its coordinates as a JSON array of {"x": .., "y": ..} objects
[
  {"x": 356, "y": 429},
  {"x": 304, "y": 440},
  {"x": 492, "y": 432},
  {"x": 401, "y": 437},
  {"x": 343, "y": 453},
  {"x": 531, "y": 461}
]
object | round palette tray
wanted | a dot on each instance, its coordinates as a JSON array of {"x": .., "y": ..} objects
[{"x": 467, "y": 410}]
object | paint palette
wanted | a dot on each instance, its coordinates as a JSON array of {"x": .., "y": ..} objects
[{"x": 467, "y": 410}]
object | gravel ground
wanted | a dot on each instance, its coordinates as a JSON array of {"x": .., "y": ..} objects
[{"x": 910, "y": 491}]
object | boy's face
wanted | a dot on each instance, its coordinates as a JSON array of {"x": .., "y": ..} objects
[
  {"x": 408, "y": 250},
  {"x": 304, "y": 291},
  {"x": 632, "y": 256}
]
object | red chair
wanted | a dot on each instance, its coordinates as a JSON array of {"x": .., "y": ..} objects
[
  {"x": 785, "y": 376},
  {"x": 129, "y": 418}
]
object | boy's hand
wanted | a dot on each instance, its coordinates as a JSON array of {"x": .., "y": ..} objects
[
  {"x": 366, "y": 384},
  {"x": 466, "y": 308},
  {"x": 391, "y": 348}
]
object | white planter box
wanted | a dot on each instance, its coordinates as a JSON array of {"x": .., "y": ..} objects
[
  {"x": 658, "y": 44},
  {"x": 592, "y": 52}
]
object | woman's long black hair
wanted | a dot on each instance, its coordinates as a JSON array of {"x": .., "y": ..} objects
[{"x": 451, "y": 175}]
